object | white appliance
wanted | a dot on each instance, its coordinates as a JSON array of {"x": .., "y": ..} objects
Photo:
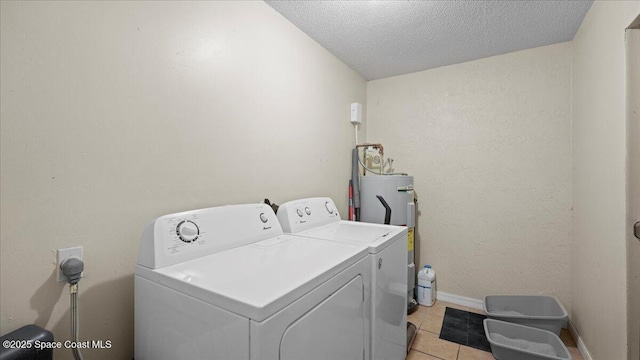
[
  {"x": 318, "y": 218},
  {"x": 226, "y": 283},
  {"x": 397, "y": 192}
]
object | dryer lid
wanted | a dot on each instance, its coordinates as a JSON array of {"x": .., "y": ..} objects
[{"x": 259, "y": 279}]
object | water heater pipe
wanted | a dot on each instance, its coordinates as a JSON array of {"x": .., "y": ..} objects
[{"x": 355, "y": 182}]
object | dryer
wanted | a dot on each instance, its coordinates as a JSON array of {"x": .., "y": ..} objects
[
  {"x": 226, "y": 283},
  {"x": 387, "y": 246}
]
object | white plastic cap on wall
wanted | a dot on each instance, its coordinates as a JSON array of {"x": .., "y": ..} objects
[{"x": 356, "y": 113}]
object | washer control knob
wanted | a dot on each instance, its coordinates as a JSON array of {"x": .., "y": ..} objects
[
  {"x": 299, "y": 211},
  {"x": 307, "y": 210},
  {"x": 328, "y": 207},
  {"x": 187, "y": 231},
  {"x": 263, "y": 218}
]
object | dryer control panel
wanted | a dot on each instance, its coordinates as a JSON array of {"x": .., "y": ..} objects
[
  {"x": 188, "y": 235},
  {"x": 303, "y": 214}
]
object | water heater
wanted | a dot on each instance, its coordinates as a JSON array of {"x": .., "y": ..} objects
[{"x": 380, "y": 193}]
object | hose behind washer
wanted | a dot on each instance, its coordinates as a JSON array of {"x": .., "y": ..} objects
[
  {"x": 73, "y": 290},
  {"x": 72, "y": 268}
]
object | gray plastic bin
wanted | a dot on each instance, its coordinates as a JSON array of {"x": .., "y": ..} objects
[
  {"x": 511, "y": 341},
  {"x": 542, "y": 312}
]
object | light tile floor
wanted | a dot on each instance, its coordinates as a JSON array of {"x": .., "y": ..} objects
[{"x": 429, "y": 346}]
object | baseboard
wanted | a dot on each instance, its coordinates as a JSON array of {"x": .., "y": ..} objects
[
  {"x": 460, "y": 300},
  {"x": 581, "y": 346}
]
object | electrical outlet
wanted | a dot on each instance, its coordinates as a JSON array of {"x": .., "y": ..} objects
[{"x": 63, "y": 254}]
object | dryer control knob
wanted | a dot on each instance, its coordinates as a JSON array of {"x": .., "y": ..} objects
[
  {"x": 263, "y": 218},
  {"x": 328, "y": 207},
  {"x": 299, "y": 211},
  {"x": 187, "y": 231}
]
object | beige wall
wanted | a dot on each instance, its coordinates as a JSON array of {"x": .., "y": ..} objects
[
  {"x": 489, "y": 144},
  {"x": 633, "y": 188},
  {"x": 599, "y": 150},
  {"x": 115, "y": 113}
]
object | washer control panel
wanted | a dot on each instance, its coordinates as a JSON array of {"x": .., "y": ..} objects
[
  {"x": 188, "y": 235},
  {"x": 300, "y": 215}
]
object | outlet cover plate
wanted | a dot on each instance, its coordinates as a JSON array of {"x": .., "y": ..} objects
[{"x": 63, "y": 254}]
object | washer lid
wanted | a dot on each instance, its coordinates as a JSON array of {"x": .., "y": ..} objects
[
  {"x": 259, "y": 279},
  {"x": 375, "y": 236}
]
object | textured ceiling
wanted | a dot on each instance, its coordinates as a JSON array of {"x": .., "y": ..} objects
[{"x": 379, "y": 39}]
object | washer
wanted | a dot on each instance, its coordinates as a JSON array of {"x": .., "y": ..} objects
[
  {"x": 226, "y": 283},
  {"x": 387, "y": 246}
]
